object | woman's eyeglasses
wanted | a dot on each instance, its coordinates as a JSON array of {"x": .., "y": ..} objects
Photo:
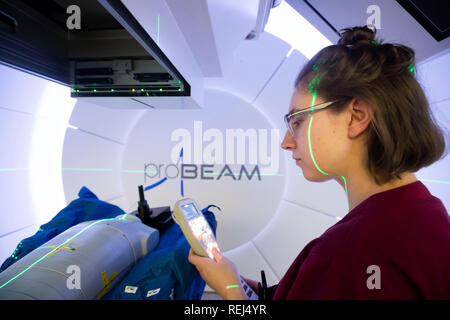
[{"x": 292, "y": 124}]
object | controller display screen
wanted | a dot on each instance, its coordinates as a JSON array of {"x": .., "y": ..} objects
[{"x": 190, "y": 211}]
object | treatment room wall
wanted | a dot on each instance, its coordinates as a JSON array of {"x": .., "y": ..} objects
[
  {"x": 434, "y": 77},
  {"x": 211, "y": 136}
]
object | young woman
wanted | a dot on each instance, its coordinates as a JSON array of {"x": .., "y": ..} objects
[{"x": 359, "y": 116}]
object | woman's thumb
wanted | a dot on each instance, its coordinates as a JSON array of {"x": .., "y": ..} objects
[{"x": 216, "y": 254}]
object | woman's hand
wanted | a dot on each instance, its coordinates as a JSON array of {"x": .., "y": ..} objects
[{"x": 219, "y": 274}]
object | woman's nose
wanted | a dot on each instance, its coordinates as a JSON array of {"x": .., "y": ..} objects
[{"x": 288, "y": 142}]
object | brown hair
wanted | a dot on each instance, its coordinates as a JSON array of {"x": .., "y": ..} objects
[{"x": 403, "y": 136}]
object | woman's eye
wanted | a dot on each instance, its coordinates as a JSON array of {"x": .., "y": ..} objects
[{"x": 296, "y": 123}]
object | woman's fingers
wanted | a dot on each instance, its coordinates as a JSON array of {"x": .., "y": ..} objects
[
  {"x": 198, "y": 261},
  {"x": 216, "y": 254}
]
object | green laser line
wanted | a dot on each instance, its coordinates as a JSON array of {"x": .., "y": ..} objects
[
  {"x": 310, "y": 148},
  {"x": 48, "y": 247},
  {"x": 57, "y": 248},
  {"x": 232, "y": 286},
  {"x": 312, "y": 89},
  {"x": 346, "y": 192}
]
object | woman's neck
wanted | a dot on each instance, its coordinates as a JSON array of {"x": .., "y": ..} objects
[{"x": 361, "y": 186}]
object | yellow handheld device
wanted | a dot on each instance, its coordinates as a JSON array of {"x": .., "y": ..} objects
[
  {"x": 200, "y": 235},
  {"x": 195, "y": 227}
]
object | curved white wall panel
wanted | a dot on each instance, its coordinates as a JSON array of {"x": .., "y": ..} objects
[
  {"x": 90, "y": 161},
  {"x": 434, "y": 78},
  {"x": 17, "y": 88},
  {"x": 46, "y": 148},
  {"x": 31, "y": 110},
  {"x": 247, "y": 204},
  {"x": 253, "y": 65},
  {"x": 114, "y": 124}
]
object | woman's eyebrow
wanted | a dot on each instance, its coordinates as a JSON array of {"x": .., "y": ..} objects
[
  {"x": 296, "y": 109},
  {"x": 291, "y": 110}
]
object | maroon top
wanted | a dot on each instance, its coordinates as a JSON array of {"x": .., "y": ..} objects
[{"x": 403, "y": 233}]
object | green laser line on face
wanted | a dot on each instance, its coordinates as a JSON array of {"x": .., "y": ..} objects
[{"x": 313, "y": 89}]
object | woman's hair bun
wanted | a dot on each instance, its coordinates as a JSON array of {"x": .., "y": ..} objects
[{"x": 351, "y": 36}]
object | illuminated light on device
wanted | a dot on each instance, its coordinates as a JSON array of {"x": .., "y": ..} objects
[
  {"x": 160, "y": 89},
  {"x": 210, "y": 247},
  {"x": 196, "y": 230}
]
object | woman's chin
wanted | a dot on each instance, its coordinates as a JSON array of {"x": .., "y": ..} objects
[{"x": 314, "y": 175}]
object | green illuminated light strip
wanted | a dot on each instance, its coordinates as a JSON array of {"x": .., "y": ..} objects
[
  {"x": 49, "y": 253},
  {"x": 313, "y": 102},
  {"x": 314, "y": 95},
  {"x": 346, "y": 192},
  {"x": 232, "y": 286},
  {"x": 310, "y": 147},
  {"x": 48, "y": 247}
]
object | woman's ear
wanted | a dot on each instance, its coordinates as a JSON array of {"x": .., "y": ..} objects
[{"x": 361, "y": 115}]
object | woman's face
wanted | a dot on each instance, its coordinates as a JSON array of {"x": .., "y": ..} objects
[{"x": 323, "y": 154}]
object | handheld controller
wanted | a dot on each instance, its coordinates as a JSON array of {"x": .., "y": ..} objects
[
  {"x": 195, "y": 227},
  {"x": 199, "y": 234}
]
